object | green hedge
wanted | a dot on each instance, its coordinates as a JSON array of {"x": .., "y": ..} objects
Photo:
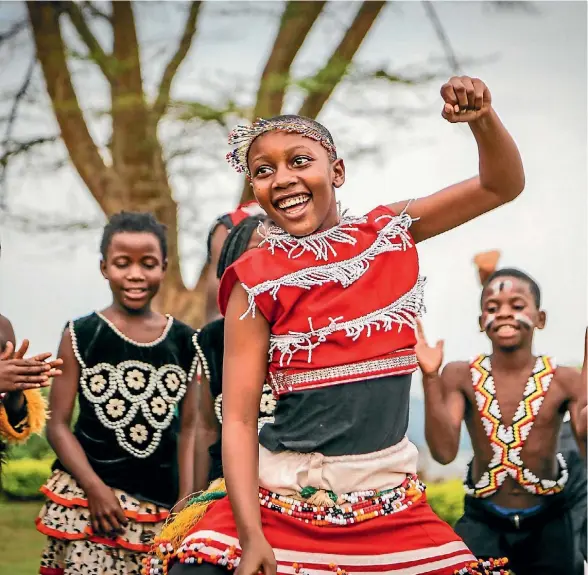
[
  {"x": 446, "y": 499},
  {"x": 22, "y": 478}
]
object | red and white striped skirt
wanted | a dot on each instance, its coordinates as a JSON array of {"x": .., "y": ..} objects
[{"x": 314, "y": 531}]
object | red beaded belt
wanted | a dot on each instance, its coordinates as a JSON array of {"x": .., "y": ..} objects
[{"x": 398, "y": 363}]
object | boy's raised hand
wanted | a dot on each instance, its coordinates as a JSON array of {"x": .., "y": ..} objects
[
  {"x": 466, "y": 99},
  {"x": 430, "y": 358}
]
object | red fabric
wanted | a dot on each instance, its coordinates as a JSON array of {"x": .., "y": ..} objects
[
  {"x": 412, "y": 541},
  {"x": 51, "y": 571},
  {"x": 389, "y": 276},
  {"x": 244, "y": 211}
]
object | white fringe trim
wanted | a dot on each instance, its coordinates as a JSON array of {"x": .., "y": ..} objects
[{"x": 403, "y": 311}]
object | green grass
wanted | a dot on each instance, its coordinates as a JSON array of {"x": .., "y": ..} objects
[{"x": 20, "y": 543}]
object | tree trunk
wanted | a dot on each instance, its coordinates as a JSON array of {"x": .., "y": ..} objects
[
  {"x": 137, "y": 179},
  {"x": 270, "y": 97}
]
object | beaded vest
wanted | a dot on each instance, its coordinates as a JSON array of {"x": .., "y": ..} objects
[
  {"x": 129, "y": 396},
  {"x": 508, "y": 442},
  {"x": 341, "y": 303}
]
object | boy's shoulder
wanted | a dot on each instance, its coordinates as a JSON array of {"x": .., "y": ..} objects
[
  {"x": 457, "y": 371},
  {"x": 567, "y": 375}
]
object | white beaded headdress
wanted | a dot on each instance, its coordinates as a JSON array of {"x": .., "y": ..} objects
[{"x": 242, "y": 137}]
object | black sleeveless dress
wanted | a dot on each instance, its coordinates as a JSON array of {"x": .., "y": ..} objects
[
  {"x": 130, "y": 398},
  {"x": 211, "y": 346}
]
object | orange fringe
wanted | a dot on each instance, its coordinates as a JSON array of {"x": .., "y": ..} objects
[{"x": 36, "y": 418}]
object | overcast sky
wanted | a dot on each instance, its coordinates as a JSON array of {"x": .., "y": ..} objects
[{"x": 535, "y": 67}]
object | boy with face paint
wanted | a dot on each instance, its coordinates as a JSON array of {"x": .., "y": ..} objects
[{"x": 513, "y": 403}]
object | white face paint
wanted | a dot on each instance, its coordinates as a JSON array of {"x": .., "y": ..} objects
[
  {"x": 501, "y": 285},
  {"x": 524, "y": 319},
  {"x": 489, "y": 319}
]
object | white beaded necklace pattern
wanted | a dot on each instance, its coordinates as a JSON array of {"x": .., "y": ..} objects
[
  {"x": 318, "y": 243},
  {"x": 125, "y": 395}
]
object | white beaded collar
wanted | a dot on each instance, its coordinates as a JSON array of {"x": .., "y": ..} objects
[
  {"x": 318, "y": 243},
  {"x": 153, "y": 343}
]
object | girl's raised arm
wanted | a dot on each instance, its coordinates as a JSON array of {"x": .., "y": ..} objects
[{"x": 501, "y": 176}]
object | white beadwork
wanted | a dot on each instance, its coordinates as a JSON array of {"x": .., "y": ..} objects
[
  {"x": 168, "y": 325},
  {"x": 344, "y": 272},
  {"x": 202, "y": 358},
  {"x": 97, "y": 383},
  {"x": 267, "y": 405},
  {"x": 283, "y": 382},
  {"x": 121, "y": 393},
  {"x": 318, "y": 243},
  {"x": 507, "y": 434},
  {"x": 403, "y": 311}
]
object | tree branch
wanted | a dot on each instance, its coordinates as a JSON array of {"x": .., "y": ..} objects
[
  {"x": 18, "y": 98},
  {"x": 103, "y": 182},
  {"x": 295, "y": 24},
  {"x": 95, "y": 11},
  {"x": 173, "y": 65},
  {"x": 97, "y": 54},
  {"x": 326, "y": 80},
  {"x": 297, "y": 20},
  {"x": 442, "y": 37},
  {"x": 14, "y": 30}
]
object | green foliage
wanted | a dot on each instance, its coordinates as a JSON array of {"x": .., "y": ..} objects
[
  {"x": 20, "y": 543},
  {"x": 22, "y": 478},
  {"x": 37, "y": 447},
  {"x": 446, "y": 499}
]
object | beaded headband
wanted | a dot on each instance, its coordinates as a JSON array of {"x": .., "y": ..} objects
[{"x": 242, "y": 137}]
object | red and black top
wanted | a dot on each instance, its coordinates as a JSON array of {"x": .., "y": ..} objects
[{"x": 341, "y": 303}]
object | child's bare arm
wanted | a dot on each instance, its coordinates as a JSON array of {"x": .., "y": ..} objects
[
  {"x": 575, "y": 388},
  {"x": 107, "y": 515},
  {"x": 444, "y": 411},
  {"x": 501, "y": 176},
  {"x": 444, "y": 401},
  {"x": 187, "y": 439},
  {"x": 244, "y": 371},
  {"x": 207, "y": 433}
]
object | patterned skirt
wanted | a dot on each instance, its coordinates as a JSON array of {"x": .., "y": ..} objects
[
  {"x": 392, "y": 532},
  {"x": 73, "y": 548}
]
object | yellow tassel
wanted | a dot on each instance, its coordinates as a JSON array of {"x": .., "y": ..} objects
[
  {"x": 177, "y": 527},
  {"x": 320, "y": 499}
]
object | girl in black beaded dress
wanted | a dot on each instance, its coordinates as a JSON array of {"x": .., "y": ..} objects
[{"x": 130, "y": 455}]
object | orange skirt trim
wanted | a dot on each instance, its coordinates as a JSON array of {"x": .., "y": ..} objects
[
  {"x": 79, "y": 502},
  {"x": 89, "y": 536}
]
